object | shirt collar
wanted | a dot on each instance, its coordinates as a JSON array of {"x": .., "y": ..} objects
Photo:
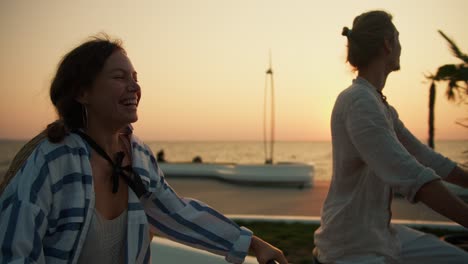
[{"x": 362, "y": 81}]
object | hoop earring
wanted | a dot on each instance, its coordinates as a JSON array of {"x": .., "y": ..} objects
[{"x": 84, "y": 115}]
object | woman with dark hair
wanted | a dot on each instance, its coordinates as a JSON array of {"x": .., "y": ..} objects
[
  {"x": 374, "y": 155},
  {"x": 92, "y": 192}
]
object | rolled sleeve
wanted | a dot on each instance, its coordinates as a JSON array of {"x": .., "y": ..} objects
[
  {"x": 426, "y": 176},
  {"x": 371, "y": 134},
  {"x": 240, "y": 248}
]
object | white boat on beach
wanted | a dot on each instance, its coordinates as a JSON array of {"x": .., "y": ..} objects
[
  {"x": 279, "y": 174},
  {"x": 282, "y": 174}
]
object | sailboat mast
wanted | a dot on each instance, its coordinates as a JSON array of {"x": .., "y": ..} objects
[
  {"x": 265, "y": 96},
  {"x": 269, "y": 76},
  {"x": 272, "y": 132}
]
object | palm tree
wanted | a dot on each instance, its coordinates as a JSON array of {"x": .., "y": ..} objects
[{"x": 456, "y": 75}]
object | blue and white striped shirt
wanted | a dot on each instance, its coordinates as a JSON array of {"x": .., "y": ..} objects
[{"x": 46, "y": 210}]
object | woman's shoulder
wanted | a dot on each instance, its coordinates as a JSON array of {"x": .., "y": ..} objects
[
  {"x": 40, "y": 149},
  {"x": 55, "y": 159},
  {"x": 41, "y": 162},
  {"x": 72, "y": 145}
]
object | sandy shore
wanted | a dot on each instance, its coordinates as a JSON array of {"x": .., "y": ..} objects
[
  {"x": 238, "y": 199},
  {"x": 231, "y": 198}
]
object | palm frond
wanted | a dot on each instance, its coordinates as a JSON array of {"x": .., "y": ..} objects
[
  {"x": 455, "y": 50},
  {"x": 462, "y": 74},
  {"x": 445, "y": 72},
  {"x": 463, "y": 125},
  {"x": 451, "y": 89}
]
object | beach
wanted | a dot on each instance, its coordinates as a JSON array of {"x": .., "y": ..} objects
[
  {"x": 239, "y": 199},
  {"x": 235, "y": 199}
]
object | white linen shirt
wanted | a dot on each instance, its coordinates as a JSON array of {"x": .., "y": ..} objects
[
  {"x": 373, "y": 156},
  {"x": 46, "y": 210}
]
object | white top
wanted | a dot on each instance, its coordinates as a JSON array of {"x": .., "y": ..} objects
[
  {"x": 104, "y": 243},
  {"x": 373, "y": 156}
]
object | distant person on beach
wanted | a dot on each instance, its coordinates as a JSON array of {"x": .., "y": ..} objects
[
  {"x": 374, "y": 156},
  {"x": 197, "y": 159},
  {"x": 92, "y": 192},
  {"x": 161, "y": 156}
]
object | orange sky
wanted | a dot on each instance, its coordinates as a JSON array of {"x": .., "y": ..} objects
[{"x": 201, "y": 64}]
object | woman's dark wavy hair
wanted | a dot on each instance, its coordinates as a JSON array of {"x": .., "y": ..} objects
[
  {"x": 367, "y": 37},
  {"x": 75, "y": 74}
]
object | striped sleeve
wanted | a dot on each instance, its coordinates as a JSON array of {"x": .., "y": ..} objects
[
  {"x": 23, "y": 222},
  {"x": 21, "y": 230},
  {"x": 194, "y": 223}
]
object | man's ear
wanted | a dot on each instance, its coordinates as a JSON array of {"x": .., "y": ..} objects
[{"x": 388, "y": 47}]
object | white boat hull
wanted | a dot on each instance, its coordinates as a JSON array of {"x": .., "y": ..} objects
[{"x": 280, "y": 174}]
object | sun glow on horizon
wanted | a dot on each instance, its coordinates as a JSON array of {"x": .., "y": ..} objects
[{"x": 201, "y": 64}]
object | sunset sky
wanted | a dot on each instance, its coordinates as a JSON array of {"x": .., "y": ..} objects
[{"x": 201, "y": 64}]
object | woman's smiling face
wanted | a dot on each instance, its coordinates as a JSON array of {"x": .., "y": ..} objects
[{"x": 115, "y": 93}]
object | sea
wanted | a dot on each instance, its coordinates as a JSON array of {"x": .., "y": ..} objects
[{"x": 317, "y": 153}]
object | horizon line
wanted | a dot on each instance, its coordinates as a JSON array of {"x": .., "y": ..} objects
[{"x": 237, "y": 140}]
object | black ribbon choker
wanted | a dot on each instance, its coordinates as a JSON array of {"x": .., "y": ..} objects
[{"x": 117, "y": 168}]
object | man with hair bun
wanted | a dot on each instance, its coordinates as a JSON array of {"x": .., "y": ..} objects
[{"x": 374, "y": 156}]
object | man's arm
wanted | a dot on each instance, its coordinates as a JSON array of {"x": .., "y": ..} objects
[
  {"x": 458, "y": 176},
  {"x": 435, "y": 195}
]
